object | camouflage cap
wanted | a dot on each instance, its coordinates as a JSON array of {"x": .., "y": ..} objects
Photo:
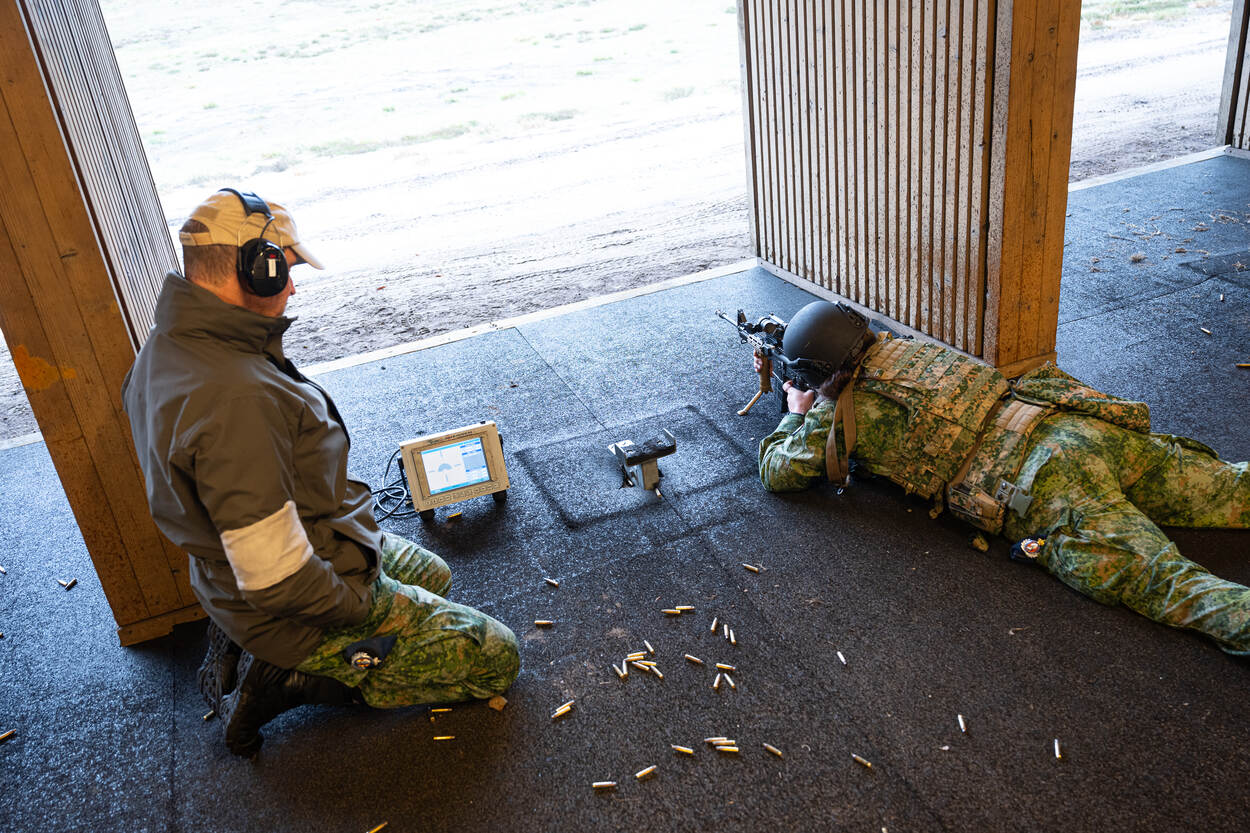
[{"x": 229, "y": 223}]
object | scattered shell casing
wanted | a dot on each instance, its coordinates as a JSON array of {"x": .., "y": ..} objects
[
  {"x": 1205, "y": 330},
  {"x": 733, "y": 640},
  {"x": 751, "y": 567},
  {"x": 717, "y": 739},
  {"x": 62, "y": 582},
  {"x": 725, "y": 630},
  {"x": 379, "y": 827},
  {"x": 715, "y": 621},
  {"x": 209, "y": 715},
  {"x": 439, "y": 711},
  {"x": 722, "y": 748},
  {"x": 543, "y": 623},
  {"x": 619, "y": 672},
  {"x": 724, "y": 666},
  {"x": 962, "y": 727},
  {"x": 71, "y": 584},
  {"x": 561, "y": 712},
  {"x": 650, "y": 650},
  {"x": 841, "y": 658},
  {"x": 1057, "y": 753},
  {"x": 683, "y": 608},
  {"x": 685, "y": 750},
  {"x": 860, "y": 760},
  {"x": 444, "y": 737},
  {"x": 8, "y": 735},
  {"x": 455, "y": 515},
  {"x": 725, "y": 742},
  {"x": 773, "y": 750},
  {"x": 567, "y": 705},
  {"x": 730, "y": 680},
  {"x": 671, "y": 611},
  {"x": 639, "y": 665},
  {"x": 2, "y": 570},
  {"x": 694, "y": 659},
  {"x": 635, "y": 655},
  {"x": 716, "y": 685},
  {"x": 644, "y": 773},
  {"x": 650, "y": 663},
  {"x": 552, "y": 582},
  {"x": 604, "y": 785},
  {"x": 656, "y": 672}
]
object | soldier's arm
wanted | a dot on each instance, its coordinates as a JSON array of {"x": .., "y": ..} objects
[
  {"x": 793, "y": 457},
  {"x": 245, "y": 478}
]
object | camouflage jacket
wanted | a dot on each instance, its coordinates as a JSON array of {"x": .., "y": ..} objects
[{"x": 929, "y": 418}]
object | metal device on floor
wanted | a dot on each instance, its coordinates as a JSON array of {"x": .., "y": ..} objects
[
  {"x": 455, "y": 465},
  {"x": 638, "y": 460}
]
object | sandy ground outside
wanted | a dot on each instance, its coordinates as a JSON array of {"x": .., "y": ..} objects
[{"x": 455, "y": 163}]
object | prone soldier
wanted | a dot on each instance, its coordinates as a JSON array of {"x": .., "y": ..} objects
[{"x": 1075, "y": 478}]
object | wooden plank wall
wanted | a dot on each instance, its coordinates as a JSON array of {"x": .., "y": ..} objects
[
  {"x": 1234, "y": 119},
  {"x": 60, "y": 313},
  {"x": 87, "y": 90},
  {"x": 889, "y": 144}
]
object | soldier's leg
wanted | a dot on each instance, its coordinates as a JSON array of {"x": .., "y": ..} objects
[
  {"x": 1100, "y": 544},
  {"x": 410, "y": 563},
  {"x": 1183, "y": 484},
  {"x": 444, "y": 652}
]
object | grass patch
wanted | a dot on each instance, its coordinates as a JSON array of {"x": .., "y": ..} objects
[
  {"x": 349, "y": 147},
  {"x": 678, "y": 92},
  {"x": 1102, "y": 12},
  {"x": 582, "y": 73},
  {"x": 554, "y": 115}
]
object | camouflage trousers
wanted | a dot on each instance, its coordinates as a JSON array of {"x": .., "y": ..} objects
[
  {"x": 445, "y": 652},
  {"x": 1099, "y": 492}
]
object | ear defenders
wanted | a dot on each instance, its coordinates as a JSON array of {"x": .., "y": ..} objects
[{"x": 261, "y": 264}]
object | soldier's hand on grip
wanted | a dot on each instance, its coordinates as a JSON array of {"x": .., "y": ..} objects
[{"x": 798, "y": 401}]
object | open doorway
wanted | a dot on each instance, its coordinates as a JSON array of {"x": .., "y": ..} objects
[
  {"x": 452, "y": 162},
  {"x": 1149, "y": 76}
]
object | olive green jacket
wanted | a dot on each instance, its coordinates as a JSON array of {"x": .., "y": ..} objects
[{"x": 245, "y": 462}]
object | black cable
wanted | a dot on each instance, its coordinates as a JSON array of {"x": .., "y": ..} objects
[{"x": 391, "y": 498}]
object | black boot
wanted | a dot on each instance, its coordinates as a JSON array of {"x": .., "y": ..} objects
[
  {"x": 264, "y": 692},
  {"x": 218, "y": 672}
]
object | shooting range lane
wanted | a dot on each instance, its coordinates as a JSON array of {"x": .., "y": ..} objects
[
  {"x": 1136, "y": 327},
  {"x": 1151, "y": 721}
]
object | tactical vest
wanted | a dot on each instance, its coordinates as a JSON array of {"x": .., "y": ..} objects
[{"x": 948, "y": 398}]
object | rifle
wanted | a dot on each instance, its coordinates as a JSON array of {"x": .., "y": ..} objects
[{"x": 765, "y": 337}]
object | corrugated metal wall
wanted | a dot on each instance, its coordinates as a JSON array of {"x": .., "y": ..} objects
[
  {"x": 1235, "y": 97},
  {"x": 86, "y": 88},
  {"x": 890, "y": 149}
]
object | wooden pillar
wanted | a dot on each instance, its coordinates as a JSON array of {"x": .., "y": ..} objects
[
  {"x": 911, "y": 157},
  {"x": 62, "y": 299},
  {"x": 1234, "y": 119}
]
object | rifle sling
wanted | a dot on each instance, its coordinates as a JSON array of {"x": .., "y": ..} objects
[{"x": 838, "y": 466}]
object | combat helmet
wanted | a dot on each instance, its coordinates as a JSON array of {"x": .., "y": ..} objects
[{"x": 820, "y": 338}]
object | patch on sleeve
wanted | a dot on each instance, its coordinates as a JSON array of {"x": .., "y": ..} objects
[{"x": 268, "y": 551}]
